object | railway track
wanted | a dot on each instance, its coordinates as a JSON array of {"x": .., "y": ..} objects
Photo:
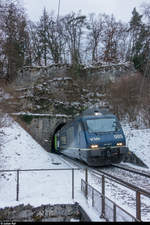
[
  {"x": 131, "y": 169},
  {"x": 132, "y": 179},
  {"x": 138, "y": 179},
  {"x": 132, "y": 176}
]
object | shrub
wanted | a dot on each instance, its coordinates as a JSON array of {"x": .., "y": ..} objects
[{"x": 129, "y": 98}]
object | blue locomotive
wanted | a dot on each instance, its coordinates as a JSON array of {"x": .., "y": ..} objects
[{"x": 95, "y": 137}]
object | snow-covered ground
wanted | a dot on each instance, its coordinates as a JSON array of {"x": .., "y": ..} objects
[
  {"x": 19, "y": 151},
  {"x": 138, "y": 142}
]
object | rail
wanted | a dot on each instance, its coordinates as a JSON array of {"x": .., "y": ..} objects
[
  {"x": 124, "y": 183},
  {"x": 142, "y": 173}
]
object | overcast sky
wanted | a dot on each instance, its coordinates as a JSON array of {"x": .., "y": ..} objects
[{"x": 122, "y": 9}]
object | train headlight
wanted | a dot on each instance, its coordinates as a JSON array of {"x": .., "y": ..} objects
[
  {"x": 119, "y": 144},
  {"x": 94, "y": 146}
]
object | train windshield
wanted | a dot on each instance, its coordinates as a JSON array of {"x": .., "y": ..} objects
[{"x": 102, "y": 125}]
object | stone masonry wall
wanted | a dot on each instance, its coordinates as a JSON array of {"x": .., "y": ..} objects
[
  {"x": 44, "y": 213},
  {"x": 42, "y": 127},
  {"x": 27, "y": 76}
]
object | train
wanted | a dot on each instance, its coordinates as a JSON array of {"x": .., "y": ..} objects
[{"x": 94, "y": 137}]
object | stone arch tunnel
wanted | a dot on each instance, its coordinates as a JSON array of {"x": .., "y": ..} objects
[
  {"x": 59, "y": 125},
  {"x": 42, "y": 127}
]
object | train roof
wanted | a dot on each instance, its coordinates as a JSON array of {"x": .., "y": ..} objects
[
  {"x": 92, "y": 112},
  {"x": 96, "y": 111}
]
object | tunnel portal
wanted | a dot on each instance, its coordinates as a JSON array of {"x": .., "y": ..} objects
[
  {"x": 43, "y": 127},
  {"x": 55, "y": 131}
]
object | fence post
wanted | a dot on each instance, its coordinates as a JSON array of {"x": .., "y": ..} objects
[
  {"x": 17, "y": 195},
  {"x": 92, "y": 197},
  {"x": 138, "y": 205},
  {"x": 86, "y": 182},
  {"x": 103, "y": 197},
  {"x": 114, "y": 213},
  {"x": 72, "y": 183}
]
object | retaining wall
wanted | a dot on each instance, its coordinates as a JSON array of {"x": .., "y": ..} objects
[{"x": 44, "y": 213}]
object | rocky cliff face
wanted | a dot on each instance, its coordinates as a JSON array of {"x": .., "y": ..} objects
[
  {"x": 64, "y": 95},
  {"x": 27, "y": 76},
  {"x": 61, "y": 89}
]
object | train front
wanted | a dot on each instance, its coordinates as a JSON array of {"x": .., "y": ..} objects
[{"x": 105, "y": 139}]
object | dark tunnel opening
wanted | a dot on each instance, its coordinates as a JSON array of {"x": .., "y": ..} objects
[{"x": 53, "y": 142}]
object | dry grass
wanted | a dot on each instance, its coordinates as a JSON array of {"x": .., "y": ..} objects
[
  {"x": 8, "y": 97},
  {"x": 129, "y": 97}
]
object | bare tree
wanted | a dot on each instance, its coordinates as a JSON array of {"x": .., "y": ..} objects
[
  {"x": 42, "y": 30},
  {"x": 14, "y": 38},
  {"x": 49, "y": 32},
  {"x": 109, "y": 40},
  {"x": 55, "y": 39},
  {"x": 35, "y": 51},
  {"x": 95, "y": 27},
  {"x": 73, "y": 33}
]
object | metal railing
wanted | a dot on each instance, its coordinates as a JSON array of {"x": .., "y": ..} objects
[
  {"x": 138, "y": 191},
  {"x": 106, "y": 208},
  {"x": 38, "y": 170},
  {"x": 99, "y": 201}
]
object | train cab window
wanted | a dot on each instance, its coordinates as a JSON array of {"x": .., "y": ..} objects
[{"x": 101, "y": 125}]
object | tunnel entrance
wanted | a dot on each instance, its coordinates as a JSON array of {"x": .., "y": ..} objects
[{"x": 53, "y": 141}]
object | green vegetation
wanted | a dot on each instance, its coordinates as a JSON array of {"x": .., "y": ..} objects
[{"x": 26, "y": 118}]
